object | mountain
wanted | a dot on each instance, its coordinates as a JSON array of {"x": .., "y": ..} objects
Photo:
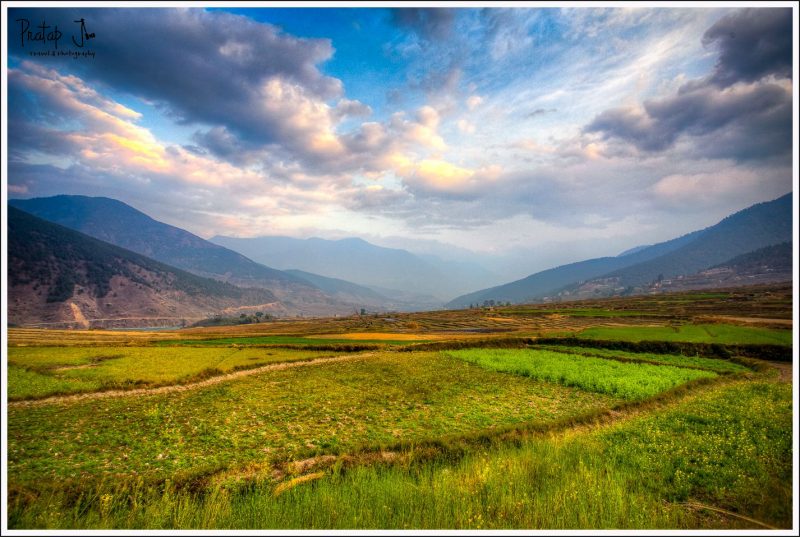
[
  {"x": 768, "y": 265},
  {"x": 120, "y": 224},
  {"x": 551, "y": 280},
  {"x": 359, "y": 261},
  {"x": 776, "y": 258},
  {"x": 755, "y": 227},
  {"x": 112, "y": 221},
  {"x": 760, "y": 225},
  {"x": 344, "y": 290},
  {"x": 60, "y": 277}
]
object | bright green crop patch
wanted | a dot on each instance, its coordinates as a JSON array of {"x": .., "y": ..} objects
[
  {"x": 61, "y": 370},
  {"x": 279, "y": 415},
  {"x": 695, "y": 333},
  {"x": 678, "y": 360},
  {"x": 627, "y": 380},
  {"x": 283, "y": 340}
]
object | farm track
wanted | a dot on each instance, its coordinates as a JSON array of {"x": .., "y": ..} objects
[
  {"x": 785, "y": 369},
  {"x": 158, "y": 390}
]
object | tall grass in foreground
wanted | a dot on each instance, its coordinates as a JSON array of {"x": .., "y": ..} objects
[
  {"x": 630, "y": 381},
  {"x": 729, "y": 447}
]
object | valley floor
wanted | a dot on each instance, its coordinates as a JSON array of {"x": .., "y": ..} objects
[{"x": 672, "y": 422}]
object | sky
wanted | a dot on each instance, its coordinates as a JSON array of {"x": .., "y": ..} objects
[{"x": 563, "y": 133}]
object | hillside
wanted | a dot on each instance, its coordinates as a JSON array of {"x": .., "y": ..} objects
[
  {"x": 758, "y": 226},
  {"x": 550, "y": 281},
  {"x": 120, "y": 224},
  {"x": 60, "y": 276},
  {"x": 768, "y": 265},
  {"x": 776, "y": 258},
  {"x": 755, "y": 227},
  {"x": 364, "y": 263},
  {"x": 344, "y": 290}
]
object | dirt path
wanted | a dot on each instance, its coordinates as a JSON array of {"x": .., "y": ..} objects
[
  {"x": 785, "y": 369},
  {"x": 180, "y": 387}
]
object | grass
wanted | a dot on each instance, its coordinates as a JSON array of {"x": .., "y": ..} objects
[
  {"x": 289, "y": 414},
  {"x": 579, "y": 312},
  {"x": 709, "y": 333},
  {"x": 729, "y": 447},
  {"x": 36, "y": 372},
  {"x": 417, "y": 439},
  {"x": 283, "y": 340},
  {"x": 678, "y": 360},
  {"x": 630, "y": 381}
]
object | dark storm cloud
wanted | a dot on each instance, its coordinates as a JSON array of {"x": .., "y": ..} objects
[
  {"x": 428, "y": 23},
  {"x": 658, "y": 124},
  {"x": 201, "y": 67},
  {"x": 752, "y": 43},
  {"x": 753, "y": 116}
]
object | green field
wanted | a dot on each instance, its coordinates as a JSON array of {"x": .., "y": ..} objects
[
  {"x": 708, "y": 333},
  {"x": 477, "y": 432},
  {"x": 36, "y": 372},
  {"x": 678, "y": 360},
  {"x": 636, "y": 474},
  {"x": 627, "y": 380},
  {"x": 282, "y": 415}
]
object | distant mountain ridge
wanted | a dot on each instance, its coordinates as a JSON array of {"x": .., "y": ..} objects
[
  {"x": 760, "y": 225},
  {"x": 550, "y": 280},
  {"x": 361, "y": 262},
  {"x": 755, "y": 227},
  {"x": 58, "y": 275}
]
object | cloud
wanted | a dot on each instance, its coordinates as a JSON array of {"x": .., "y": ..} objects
[
  {"x": 465, "y": 126},
  {"x": 474, "y": 101},
  {"x": 540, "y": 112},
  {"x": 727, "y": 185},
  {"x": 428, "y": 23},
  {"x": 220, "y": 70},
  {"x": 507, "y": 31},
  {"x": 268, "y": 140},
  {"x": 422, "y": 131},
  {"x": 657, "y": 124},
  {"x": 752, "y": 43},
  {"x": 746, "y": 96}
]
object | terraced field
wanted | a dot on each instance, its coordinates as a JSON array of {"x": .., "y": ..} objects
[{"x": 413, "y": 422}]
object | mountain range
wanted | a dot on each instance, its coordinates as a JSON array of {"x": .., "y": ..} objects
[
  {"x": 755, "y": 227},
  {"x": 357, "y": 260},
  {"x": 120, "y": 224},
  {"x": 100, "y": 262}
]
